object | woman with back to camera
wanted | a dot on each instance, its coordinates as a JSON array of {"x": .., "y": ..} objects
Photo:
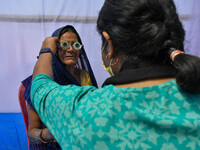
[
  {"x": 152, "y": 100},
  {"x": 70, "y": 66}
]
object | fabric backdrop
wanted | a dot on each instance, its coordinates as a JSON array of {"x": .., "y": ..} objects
[{"x": 25, "y": 24}]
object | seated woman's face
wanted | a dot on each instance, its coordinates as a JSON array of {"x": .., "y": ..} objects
[{"x": 68, "y": 56}]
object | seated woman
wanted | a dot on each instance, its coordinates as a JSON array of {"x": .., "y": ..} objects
[{"x": 69, "y": 67}]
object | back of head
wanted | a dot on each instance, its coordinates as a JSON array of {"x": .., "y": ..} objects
[
  {"x": 143, "y": 28},
  {"x": 146, "y": 30}
]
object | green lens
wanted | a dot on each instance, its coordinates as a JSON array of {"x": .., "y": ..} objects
[
  {"x": 64, "y": 45},
  {"x": 77, "y": 45}
]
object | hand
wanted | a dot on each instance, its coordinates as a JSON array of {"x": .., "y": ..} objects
[
  {"x": 50, "y": 42},
  {"x": 46, "y": 135}
]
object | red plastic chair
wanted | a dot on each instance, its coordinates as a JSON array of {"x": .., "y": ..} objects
[{"x": 22, "y": 103}]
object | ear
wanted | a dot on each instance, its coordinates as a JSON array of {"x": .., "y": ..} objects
[{"x": 111, "y": 46}]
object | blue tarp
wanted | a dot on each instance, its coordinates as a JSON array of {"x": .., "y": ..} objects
[{"x": 12, "y": 132}]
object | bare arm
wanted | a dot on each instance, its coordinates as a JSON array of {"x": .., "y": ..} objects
[
  {"x": 43, "y": 66},
  {"x": 35, "y": 125},
  {"x": 44, "y": 63}
]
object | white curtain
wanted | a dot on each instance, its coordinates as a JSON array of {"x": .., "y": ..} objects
[
  {"x": 189, "y": 11},
  {"x": 25, "y": 24}
]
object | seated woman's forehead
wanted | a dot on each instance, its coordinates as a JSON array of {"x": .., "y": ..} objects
[{"x": 69, "y": 35}]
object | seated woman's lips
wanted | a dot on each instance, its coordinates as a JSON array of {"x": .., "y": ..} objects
[{"x": 69, "y": 57}]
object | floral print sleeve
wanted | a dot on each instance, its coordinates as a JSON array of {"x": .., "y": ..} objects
[{"x": 159, "y": 117}]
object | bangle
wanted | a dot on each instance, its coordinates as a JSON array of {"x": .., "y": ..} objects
[{"x": 40, "y": 138}]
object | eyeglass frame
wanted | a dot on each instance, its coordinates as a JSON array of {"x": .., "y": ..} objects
[{"x": 60, "y": 44}]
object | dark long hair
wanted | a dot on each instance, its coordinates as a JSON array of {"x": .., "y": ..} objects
[{"x": 146, "y": 30}]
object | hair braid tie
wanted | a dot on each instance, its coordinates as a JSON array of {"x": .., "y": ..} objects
[{"x": 175, "y": 53}]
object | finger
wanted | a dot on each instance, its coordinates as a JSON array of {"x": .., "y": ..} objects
[{"x": 55, "y": 38}]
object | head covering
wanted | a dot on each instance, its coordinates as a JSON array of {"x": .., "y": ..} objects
[{"x": 61, "y": 75}]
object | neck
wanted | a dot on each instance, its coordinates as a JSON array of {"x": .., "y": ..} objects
[
  {"x": 117, "y": 67},
  {"x": 71, "y": 69},
  {"x": 74, "y": 72}
]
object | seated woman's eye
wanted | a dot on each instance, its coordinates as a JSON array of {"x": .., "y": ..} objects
[
  {"x": 64, "y": 44},
  {"x": 77, "y": 46}
]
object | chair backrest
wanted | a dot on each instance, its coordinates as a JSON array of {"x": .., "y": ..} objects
[{"x": 22, "y": 103}]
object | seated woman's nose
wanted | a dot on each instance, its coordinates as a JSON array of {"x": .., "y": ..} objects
[{"x": 70, "y": 48}]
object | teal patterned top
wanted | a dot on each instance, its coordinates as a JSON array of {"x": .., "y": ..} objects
[{"x": 161, "y": 117}]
